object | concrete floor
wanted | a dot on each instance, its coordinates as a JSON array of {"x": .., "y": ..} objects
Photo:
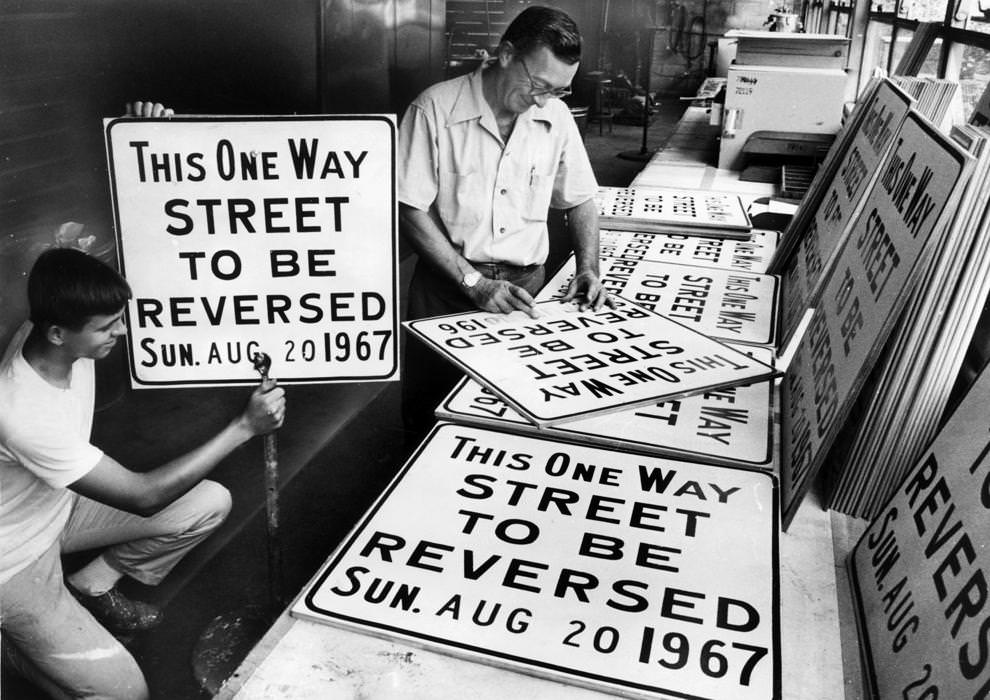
[{"x": 339, "y": 448}]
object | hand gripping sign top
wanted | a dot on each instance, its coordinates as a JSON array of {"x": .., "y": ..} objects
[{"x": 569, "y": 363}]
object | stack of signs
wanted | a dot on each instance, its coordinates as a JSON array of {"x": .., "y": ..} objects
[
  {"x": 257, "y": 234},
  {"x": 625, "y": 573},
  {"x": 814, "y": 253},
  {"x": 902, "y": 222},
  {"x": 660, "y": 210},
  {"x": 920, "y": 572},
  {"x": 568, "y": 363},
  {"x": 732, "y": 426},
  {"x": 912, "y": 383},
  {"x": 738, "y": 307},
  {"x": 935, "y": 96},
  {"x": 750, "y": 255}
]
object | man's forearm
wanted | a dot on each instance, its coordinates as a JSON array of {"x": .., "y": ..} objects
[
  {"x": 174, "y": 478},
  {"x": 582, "y": 223},
  {"x": 425, "y": 234}
]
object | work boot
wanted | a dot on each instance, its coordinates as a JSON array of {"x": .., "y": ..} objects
[{"x": 117, "y": 612}]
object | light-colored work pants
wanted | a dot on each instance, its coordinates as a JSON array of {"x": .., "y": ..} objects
[{"x": 51, "y": 639}]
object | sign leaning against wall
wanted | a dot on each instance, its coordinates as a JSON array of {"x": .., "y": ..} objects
[{"x": 247, "y": 234}]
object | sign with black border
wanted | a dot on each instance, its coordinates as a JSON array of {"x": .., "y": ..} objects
[
  {"x": 752, "y": 254},
  {"x": 731, "y": 426},
  {"x": 247, "y": 234},
  {"x": 568, "y": 363},
  {"x": 919, "y": 581},
  {"x": 814, "y": 258},
  {"x": 733, "y": 306},
  {"x": 621, "y": 572},
  {"x": 905, "y": 213}
]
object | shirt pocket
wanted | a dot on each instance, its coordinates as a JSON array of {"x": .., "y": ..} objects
[
  {"x": 460, "y": 198},
  {"x": 538, "y": 193}
]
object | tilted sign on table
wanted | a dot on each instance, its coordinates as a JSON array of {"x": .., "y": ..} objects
[
  {"x": 569, "y": 364},
  {"x": 750, "y": 255},
  {"x": 732, "y": 426},
  {"x": 737, "y": 307}
]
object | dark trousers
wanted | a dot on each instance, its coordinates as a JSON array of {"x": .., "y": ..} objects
[{"x": 427, "y": 377}]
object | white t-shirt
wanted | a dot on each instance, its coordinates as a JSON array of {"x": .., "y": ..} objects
[{"x": 44, "y": 447}]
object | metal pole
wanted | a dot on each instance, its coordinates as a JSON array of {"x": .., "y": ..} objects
[{"x": 262, "y": 363}]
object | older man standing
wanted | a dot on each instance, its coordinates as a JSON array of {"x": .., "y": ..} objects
[{"x": 481, "y": 159}]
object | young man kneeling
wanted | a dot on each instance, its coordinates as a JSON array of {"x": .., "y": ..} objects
[{"x": 61, "y": 494}]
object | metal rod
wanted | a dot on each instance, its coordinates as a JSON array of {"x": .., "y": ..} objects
[{"x": 262, "y": 363}]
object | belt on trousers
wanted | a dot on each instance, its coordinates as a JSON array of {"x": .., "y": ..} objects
[{"x": 492, "y": 269}]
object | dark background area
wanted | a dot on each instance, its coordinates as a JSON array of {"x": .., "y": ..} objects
[{"x": 65, "y": 65}]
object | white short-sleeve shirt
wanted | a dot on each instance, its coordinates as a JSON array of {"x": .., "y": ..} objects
[
  {"x": 44, "y": 447},
  {"x": 491, "y": 197}
]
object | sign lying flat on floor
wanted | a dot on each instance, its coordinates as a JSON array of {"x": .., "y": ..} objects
[
  {"x": 247, "y": 234},
  {"x": 738, "y": 307},
  {"x": 752, "y": 254},
  {"x": 732, "y": 426},
  {"x": 920, "y": 571},
  {"x": 620, "y": 572},
  {"x": 719, "y": 214},
  {"x": 907, "y": 209},
  {"x": 570, "y": 364}
]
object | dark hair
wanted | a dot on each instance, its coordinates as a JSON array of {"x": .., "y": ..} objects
[
  {"x": 545, "y": 26},
  {"x": 67, "y": 287}
]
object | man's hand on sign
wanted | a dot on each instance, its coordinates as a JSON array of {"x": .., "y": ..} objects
[
  {"x": 265, "y": 410},
  {"x": 148, "y": 109},
  {"x": 502, "y": 297},
  {"x": 587, "y": 292}
]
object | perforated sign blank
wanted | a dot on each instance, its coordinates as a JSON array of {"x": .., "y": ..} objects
[{"x": 639, "y": 208}]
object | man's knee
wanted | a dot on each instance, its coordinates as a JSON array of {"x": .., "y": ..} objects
[
  {"x": 214, "y": 502},
  {"x": 201, "y": 510}
]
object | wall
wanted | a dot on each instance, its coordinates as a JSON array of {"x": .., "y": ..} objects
[
  {"x": 675, "y": 38},
  {"x": 67, "y": 64},
  {"x": 377, "y": 55},
  {"x": 476, "y": 25}
]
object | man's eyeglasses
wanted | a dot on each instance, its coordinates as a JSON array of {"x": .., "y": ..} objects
[{"x": 538, "y": 91}]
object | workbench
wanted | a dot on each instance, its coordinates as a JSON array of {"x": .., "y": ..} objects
[{"x": 299, "y": 659}]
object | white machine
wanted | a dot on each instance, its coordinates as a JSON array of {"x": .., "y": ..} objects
[{"x": 781, "y": 99}]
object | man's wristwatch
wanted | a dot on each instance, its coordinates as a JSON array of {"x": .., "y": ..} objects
[{"x": 471, "y": 279}]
